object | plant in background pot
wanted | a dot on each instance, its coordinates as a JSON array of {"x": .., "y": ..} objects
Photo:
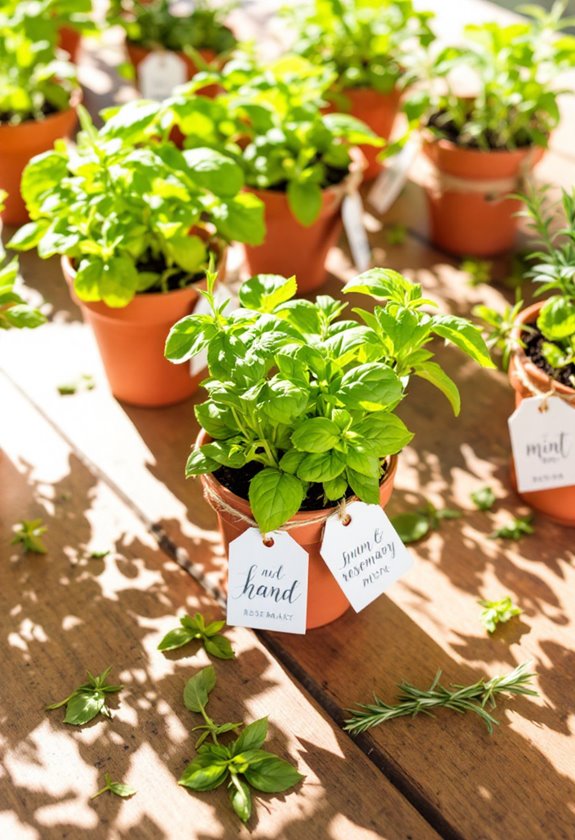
[
  {"x": 38, "y": 93},
  {"x": 74, "y": 18},
  {"x": 301, "y": 407},
  {"x": 538, "y": 342},
  {"x": 299, "y": 161},
  {"x": 137, "y": 227},
  {"x": 15, "y": 310},
  {"x": 193, "y": 37},
  {"x": 374, "y": 46},
  {"x": 483, "y": 140}
]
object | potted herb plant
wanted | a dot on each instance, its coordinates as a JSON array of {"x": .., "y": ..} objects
[
  {"x": 538, "y": 342},
  {"x": 299, "y": 161},
  {"x": 374, "y": 47},
  {"x": 38, "y": 95},
  {"x": 194, "y": 37},
  {"x": 73, "y": 19},
  {"x": 137, "y": 227},
  {"x": 15, "y": 311},
  {"x": 301, "y": 407},
  {"x": 483, "y": 146}
]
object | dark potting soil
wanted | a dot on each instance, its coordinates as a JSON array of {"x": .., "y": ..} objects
[
  {"x": 449, "y": 131},
  {"x": 178, "y": 280},
  {"x": 332, "y": 178},
  {"x": 533, "y": 341},
  {"x": 238, "y": 481},
  {"x": 10, "y": 118}
]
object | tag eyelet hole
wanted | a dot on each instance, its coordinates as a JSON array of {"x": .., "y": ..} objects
[
  {"x": 346, "y": 520},
  {"x": 268, "y": 542}
]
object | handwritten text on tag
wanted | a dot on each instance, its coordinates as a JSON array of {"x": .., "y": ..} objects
[
  {"x": 267, "y": 584},
  {"x": 543, "y": 444},
  {"x": 159, "y": 73},
  {"x": 365, "y": 556}
]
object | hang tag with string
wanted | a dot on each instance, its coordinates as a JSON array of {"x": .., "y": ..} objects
[
  {"x": 542, "y": 432},
  {"x": 159, "y": 73},
  {"x": 267, "y": 582},
  {"x": 363, "y": 552}
]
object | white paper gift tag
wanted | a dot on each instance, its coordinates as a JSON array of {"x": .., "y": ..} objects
[
  {"x": 352, "y": 215},
  {"x": 543, "y": 444},
  {"x": 267, "y": 584},
  {"x": 159, "y": 73},
  {"x": 365, "y": 556}
]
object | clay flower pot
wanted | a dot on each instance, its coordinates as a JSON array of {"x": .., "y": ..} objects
[
  {"x": 468, "y": 211},
  {"x": 289, "y": 247},
  {"x": 131, "y": 343},
  {"x": 69, "y": 39},
  {"x": 325, "y": 600},
  {"x": 378, "y": 111},
  {"x": 20, "y": 143},
  {"x": 558, "y": 504},
  {"x": 137, "y": 54}
]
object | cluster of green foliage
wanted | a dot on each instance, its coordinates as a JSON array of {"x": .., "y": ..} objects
[
  {"x": 309, "y": 397},
  {"x": 369, "y": 43},
  {"x": 154, "y": 25},
  {"x": 194, "y": 628},
  {"x": 74, "y": 14},
  {"x": 515, "y": 65},
  {"x": 243, "y": 763},
  {"x": 35, "y": 80},
  {"x": 14, "y": 310},
  {"x": 123, "y": 212},
  {"x": 269, "y": 117}
]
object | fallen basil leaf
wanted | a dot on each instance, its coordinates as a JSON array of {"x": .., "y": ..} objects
[
  {"x": 28, "y": 532},
  {"x": 272, "y": 774},
  {"x": 484, "y": 498},
  {"x": 497, "y": 612},
  {"x": 241, "y": 798},
  {"x": 197, "y": 689},
  {"x": 411, "y": 527},
  {"x": 515, "y": 529}
]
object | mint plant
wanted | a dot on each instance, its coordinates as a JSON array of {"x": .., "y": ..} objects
[
  {"x": 134, "y": 217},
  {"x": 269, "y": 118},
  {"x": 369, "y": 43},
  {"x": 515, "y": 65},
  {"x": 35, "y": 80},
  {"x": 303, "y": 402},
  {"x": 242, "y": 763},
  {"x": 154, "y": 25}
]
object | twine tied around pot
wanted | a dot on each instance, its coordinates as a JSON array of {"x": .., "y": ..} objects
[
  {"x": 493, "y": 190},
  {"x": 528, "y": 383},
  {"x": 219, "y": 504}
]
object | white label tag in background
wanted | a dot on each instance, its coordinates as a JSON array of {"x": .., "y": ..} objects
[
  {"x": 365, "y": 556},
  {"x": 267, "y": 584},
  {"x": 159, "y": 73},
  {"x": 543, "y": 444}
]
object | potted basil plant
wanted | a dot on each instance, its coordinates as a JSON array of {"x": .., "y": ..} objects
[
  {"x": 137, "y": 228},
  {"x": 483, "y": 143},
  {"x": 38, "y": 94},
  {"x": 298, "y": 160},
  {"x": 538, "y": 342},
  {"x": 74, "y": 18},
  {"x": 375, "y": 47},
  {"x": 193, "y": 38},
  {"x": 301, "y": 407}
]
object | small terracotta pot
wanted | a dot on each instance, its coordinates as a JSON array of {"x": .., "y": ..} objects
[
  {"x": 69, "y": 39},
  {"x": 289, "y": 247},
  {"x": 558, "y": 504},
  {"x": 477, "y": 221},
  {"x": 137, "y": 54},
  {"x": 20, "y": 143},
  {"x": 378, "y": 111},
  {"x": 131, "y": 342},
  {"x": 325, "y": 600}
]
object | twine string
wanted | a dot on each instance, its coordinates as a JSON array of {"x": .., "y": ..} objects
[{"x": 527, "y": 381}]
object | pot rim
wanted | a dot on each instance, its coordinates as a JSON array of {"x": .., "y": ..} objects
[
  {"x": 300, "y": 516},
  {"x": 520, "y": 358},
  {"x": 449, "y": 146},
  {"x": 75, "y": 100}
]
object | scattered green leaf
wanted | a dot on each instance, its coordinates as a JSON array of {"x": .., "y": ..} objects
[
  {"x": 483, "y": 499},
  {"x": 117, "y": 788},
  {"x": 413, "y": 526},
  {"x": 84, "y": 382},
  {"x": 497, "y": 612},
  {"x": 28, "y": 532},
  {"x": 515, "y": 529},
  {"x": 88, "y": 700},
  {"x": 478, "y": 271},
  {"x": 194, "y": 627},
  {"x": 99, "y": 555},
  {"x": 395, "y": 234}
]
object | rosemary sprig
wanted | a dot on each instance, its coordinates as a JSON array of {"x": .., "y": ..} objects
[{"x": 460, "y": 698}]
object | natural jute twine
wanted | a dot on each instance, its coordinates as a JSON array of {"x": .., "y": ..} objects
[{"x": 528, "y": 383}]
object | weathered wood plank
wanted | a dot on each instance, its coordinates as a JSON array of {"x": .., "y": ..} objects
[{"x": 62, "y": 613}]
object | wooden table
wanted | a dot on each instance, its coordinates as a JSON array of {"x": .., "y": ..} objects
[{"x": 105, "y": 476}]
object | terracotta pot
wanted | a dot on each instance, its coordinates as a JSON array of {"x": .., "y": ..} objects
[
  {"x": 69, "y": 39},
  {"x": 20, "y": 143},
  {"x": 378, "y": 111},
  {"x": 558, "y": 504},
  {"x": 137, "y": 54},
  {"x": 474, "y": 218},
  {"x": 131, "y": 343},
  {"x": 325, "y": 600},
  {"x": 289, "y": 247}
]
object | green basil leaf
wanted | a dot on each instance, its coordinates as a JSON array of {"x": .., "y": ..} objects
[
  {"x": 557, "y": 318},
  {"x": 336, "y": 488},
  {"x": 318, "y": 434},
  {"x": 203, "y": 774},
  {"x": 372, "y": 387},
  {"x": 431, "y": 372},
  {"x": 199, "y": 463},
  {"x": 83, "y": 707},
  {"x": 121, "y": 789},
  {"x": 384, "y": 284},
  {"x": 198, "y": 687},
  {"x": 275, "y": 497},
  {"x": 188, "y": 337},
  {"x": 241, "y": 799},
  {"x": 385, "y": 432},
  {"x": 176, "y": 639},
  {"x": 219, "y": 646},
  {"x": 365, "y": 487},
  {"x": 241, "y": 219},
  {"x": 484, "y": 498},
  {"x": 265, "y": 292},
  {"x": 214, "y": 627},
  {"x": 272, "y": 774},
  {"x": 305, "y": 200},
  {"x": 215, "y": 172},
  {"x": 363, "y": 463},
  {"x": 321, "y": 466},
  {"x": 252, "y": 737},
  {"x": 464, "y": 335},
  {"x": 411, "y": 527}
]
